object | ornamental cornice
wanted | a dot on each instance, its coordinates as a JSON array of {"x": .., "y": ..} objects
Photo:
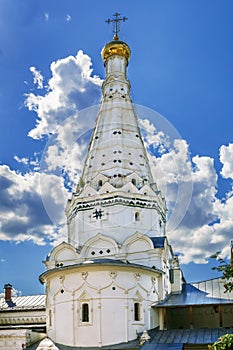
[
  {"x": 22, "y": 320},
  {"x": 86, "y": 204}
]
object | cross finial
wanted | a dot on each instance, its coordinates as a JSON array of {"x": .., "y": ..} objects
[{"x": 116, "y": 19}]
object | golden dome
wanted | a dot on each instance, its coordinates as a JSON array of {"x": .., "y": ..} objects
[{"x": 115, "y": 47}]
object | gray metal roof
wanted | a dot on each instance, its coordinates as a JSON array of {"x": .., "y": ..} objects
[
  {"x": 23, "y": 303},
  {"x": 202, "y": 293},
  {"x": 185, "y": 336},
  {"x": 173, "y": 339}
]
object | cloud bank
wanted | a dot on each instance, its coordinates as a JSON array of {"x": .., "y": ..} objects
[{"x": 199, "y": 222}]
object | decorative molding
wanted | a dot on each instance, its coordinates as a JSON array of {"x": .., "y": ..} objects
[
  {"x": 113, "y": 274},
  {"x": 84, "y": 275},
  {"x": 116, "y": 200}
]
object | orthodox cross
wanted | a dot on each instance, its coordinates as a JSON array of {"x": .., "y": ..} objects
[
  {"x": 117, "y": 19},
  {"x": 98, "y": 214}
]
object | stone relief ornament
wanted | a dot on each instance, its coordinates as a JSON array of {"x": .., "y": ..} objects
[
  {"x": 113, "y": 274},
  {"x": 84, "y": 275}
]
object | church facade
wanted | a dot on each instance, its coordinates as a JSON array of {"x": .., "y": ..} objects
[
  {"x": 117, "y": 261},
  {"x": 116, "y": 282}
]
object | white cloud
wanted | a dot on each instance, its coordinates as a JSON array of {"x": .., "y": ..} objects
[
  {"x": 68, "y": 18},
  {"x": 199, "y": 223},
  {"x": 46, "y": 15},
  {"x": 71, "y": 88},
  {"x": 37, "y": 77},
  {"x": 226, "y": 158},
  {"x": 22, "y": 213}
]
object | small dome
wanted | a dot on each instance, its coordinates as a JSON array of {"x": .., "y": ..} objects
[{"x": 115, "y": 47}]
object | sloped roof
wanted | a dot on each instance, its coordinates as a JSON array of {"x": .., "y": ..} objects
[
  {"x": 185, "y": 336},
  {"x": 173, "y": 339},
  {"x": 201, "y": 293},
  {"x": 158, "y": 242},
  {"x": 23, "y": 303}
]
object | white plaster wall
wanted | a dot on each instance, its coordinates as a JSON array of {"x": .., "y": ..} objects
[
  {"x": 111, "y": 292},
  {"x": 13, "y": 339},
  {"x": 86, "y": 226}
]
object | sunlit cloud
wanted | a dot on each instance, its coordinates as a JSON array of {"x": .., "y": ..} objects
[
  {"x": 46, "y": 15},
  {"x": 37, "y": 77},
  {"x": 199, "y": 222},
  {"x": 68, "y": 18}
]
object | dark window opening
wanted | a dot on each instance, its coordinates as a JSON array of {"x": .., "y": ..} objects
[
  {"x": 134, "y": 182},
  {"x": 137, "y": 216},
  {"x": 136, "y": 311},
  {"x": 85, "y": 312},
  {"x": 171, "y": 276}
]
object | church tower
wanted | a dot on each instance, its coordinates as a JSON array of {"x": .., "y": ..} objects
[{"x": 102, "y": 283}]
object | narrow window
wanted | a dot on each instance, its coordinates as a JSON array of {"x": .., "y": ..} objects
[
  {"x": 50, "y": 318},
  {"x": 100, "y": 182},
  {"x": 136, "y": 311},
  {"x": 134, "y": 182},
  {"x": 137, "y": 216},
  {"x": 85, "y": 312}
]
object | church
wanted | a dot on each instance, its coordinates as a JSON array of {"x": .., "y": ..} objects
[{"x": 116, "y": 282}]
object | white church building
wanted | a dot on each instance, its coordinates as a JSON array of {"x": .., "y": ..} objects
[
  {"x": 116, "y": 282},
  {"x": 117, "y": 262}
]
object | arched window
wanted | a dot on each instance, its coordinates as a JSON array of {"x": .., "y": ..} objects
[
  {"x": 100, "y": 183},
  {"x": 85, "y": 312},
  {"x": 136, "y": 311},
  {"x": 137, "y": 216}
]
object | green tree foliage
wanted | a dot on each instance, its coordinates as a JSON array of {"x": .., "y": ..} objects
[
  {"x": 224, "y": 343},
  {"x": 226, "y": 270}
]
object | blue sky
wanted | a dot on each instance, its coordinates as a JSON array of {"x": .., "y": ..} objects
[{"x": 181, "y": 67}]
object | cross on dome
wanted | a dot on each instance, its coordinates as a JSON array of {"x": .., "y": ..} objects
[{"x": 117, "y": 19}]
